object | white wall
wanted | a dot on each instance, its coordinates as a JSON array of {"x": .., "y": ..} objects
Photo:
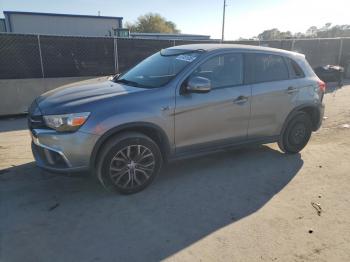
[
  {"x": 62, "y": 25},
  {"x": 18, "y": 94}
]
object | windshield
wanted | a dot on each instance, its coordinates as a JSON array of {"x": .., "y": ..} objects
[{"x": 158, "y": 69}]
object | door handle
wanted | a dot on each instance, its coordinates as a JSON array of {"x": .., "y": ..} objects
[
  {"x": 240, "y": 100},
  {"x": 292, "y": 89},
  {"x": 164, "y": 108}
]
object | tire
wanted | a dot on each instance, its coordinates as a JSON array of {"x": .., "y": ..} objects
[
  {"x": 296, "y": 134},
  {"x": 128, "y": 163}
]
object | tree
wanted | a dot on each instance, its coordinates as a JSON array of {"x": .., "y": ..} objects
[
  {"x": 299, "y": 35},
  {"x": 152, "y": 23},
  {"x": 326, "y": 31},
  {"x": 311, "y": 32},
  {"x": 329, "y": 31},
  {"x": 274, "y": 34}
]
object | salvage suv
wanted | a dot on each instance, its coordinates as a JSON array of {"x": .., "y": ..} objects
[{"x": 182, "y": 101}]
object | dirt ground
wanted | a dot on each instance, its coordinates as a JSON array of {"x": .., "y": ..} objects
[{"x": 252, "y": 204}]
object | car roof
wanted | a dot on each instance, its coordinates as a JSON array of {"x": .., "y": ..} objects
[{"x": 235, "y": 47}]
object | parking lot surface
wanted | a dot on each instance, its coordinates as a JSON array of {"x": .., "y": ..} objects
[{"x": 252, "y": 204}]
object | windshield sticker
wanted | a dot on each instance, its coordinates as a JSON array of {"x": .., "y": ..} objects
[{"x": 187, "y": 58}]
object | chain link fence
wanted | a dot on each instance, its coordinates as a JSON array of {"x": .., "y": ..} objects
[
  {"x": 42, "y": 56},
  {"x": 76, "y": 56},
  {"x": 19, "y": 56},
  {"x": 132, "y": 51},
  {"x": 345, "y": 55}
]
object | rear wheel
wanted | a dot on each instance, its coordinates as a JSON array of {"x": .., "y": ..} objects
[
  {"x": 128, "y": 163},
  {"x": 296, "y": 135}
]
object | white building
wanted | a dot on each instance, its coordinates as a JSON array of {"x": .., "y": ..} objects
[
  {"x": 170, "y": 36},
  {"x": 61, "y": 24}
]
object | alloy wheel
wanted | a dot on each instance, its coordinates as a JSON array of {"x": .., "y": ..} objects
[{"x": 132, "y": 166}]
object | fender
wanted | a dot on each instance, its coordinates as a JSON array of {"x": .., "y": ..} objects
[{"x": 164, "y": 147}]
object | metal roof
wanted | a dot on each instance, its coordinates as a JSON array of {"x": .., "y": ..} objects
[{"x": 66, "y": 15}]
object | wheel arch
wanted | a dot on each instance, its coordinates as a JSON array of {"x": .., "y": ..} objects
[
  {"x": 312, "y": 110},
  {"x": 153, "y": 131}
]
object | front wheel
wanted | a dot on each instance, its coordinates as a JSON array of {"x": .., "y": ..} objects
[
  {"x": 128, "y": 163},
  {"x": 296, "y": 135}
]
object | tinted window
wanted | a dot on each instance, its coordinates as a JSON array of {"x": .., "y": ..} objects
[
  {"x": 223, "y": 71},
  {"x": 294, "y": 69},
  {"x": 266, "y": 68}
]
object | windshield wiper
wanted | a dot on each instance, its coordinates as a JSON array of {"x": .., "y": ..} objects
[
  {"x": 176, "y": 52},
  {"x": 127, "y": 82}
]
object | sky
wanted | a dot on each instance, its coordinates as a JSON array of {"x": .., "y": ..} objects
[{"x": 244, "y": 18}]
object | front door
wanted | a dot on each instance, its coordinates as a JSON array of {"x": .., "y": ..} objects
[{"x": 218, "y": 117}]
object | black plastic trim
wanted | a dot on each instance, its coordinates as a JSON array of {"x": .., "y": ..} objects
[
  {"x": 318, "y": 107},
  {"x": 210, "y": 148},
  {"x": 135, "y": 125}
]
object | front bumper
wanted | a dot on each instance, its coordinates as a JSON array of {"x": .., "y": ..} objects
[{"x": 62, "y": 152}]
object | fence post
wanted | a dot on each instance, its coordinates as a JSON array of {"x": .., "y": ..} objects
[
  {"x": 340, "y": 51},
  {"x": 293, "y": 42},
  {"x": 116, "y": 62},
  {"x": 41, "y": 58},
  {"x": 174, "y": 44},
  {"x": 319, "y": 53}
]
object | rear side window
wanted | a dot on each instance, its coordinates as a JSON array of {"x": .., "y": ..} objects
[
  {"x": 295, "y": 70},
  {"x": 266, "y": 68}
]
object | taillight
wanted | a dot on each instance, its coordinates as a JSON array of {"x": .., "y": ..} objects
[{"x": 321, "y": 85}]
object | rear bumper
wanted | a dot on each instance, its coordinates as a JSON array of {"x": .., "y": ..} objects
[
  {"x": 321, "y": 108},
  {"x": 62, "y": 152}
]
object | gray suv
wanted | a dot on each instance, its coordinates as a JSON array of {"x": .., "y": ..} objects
[{"x": 182, "y": 101}]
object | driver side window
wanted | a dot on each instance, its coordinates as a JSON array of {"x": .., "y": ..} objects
[{"x": 223, "y": 70}]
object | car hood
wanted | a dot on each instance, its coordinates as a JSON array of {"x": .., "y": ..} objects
[{"x": 77, "y": 97}]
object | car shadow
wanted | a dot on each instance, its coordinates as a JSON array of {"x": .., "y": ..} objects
[{"x": 60, "y": 218}]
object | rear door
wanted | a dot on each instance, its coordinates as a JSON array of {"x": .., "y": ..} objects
[
  {"x": 274, "y": 94},
  {"x": 219, "y": 116}
]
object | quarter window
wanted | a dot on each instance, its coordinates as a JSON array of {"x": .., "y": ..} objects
[
  {"x": 267, "y": 68},
  {"x": 294, "y": 69},
  {"x": 223, "y": 71}
]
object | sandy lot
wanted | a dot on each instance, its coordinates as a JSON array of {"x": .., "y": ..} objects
[{"x": 252, "y": 204}]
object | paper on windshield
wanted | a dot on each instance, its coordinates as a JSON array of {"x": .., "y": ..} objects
[{"x": 187, "y": 58}]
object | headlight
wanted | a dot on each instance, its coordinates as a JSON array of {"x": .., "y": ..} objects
[{"x": 67, "y": 122}]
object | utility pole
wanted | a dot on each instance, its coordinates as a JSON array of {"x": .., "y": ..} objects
[{"x": 223, "y": 22}]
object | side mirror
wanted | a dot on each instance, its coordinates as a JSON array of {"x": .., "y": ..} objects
[{"x": 198, "y": 84}]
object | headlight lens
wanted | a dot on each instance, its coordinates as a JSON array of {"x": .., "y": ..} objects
[{"x": 67, "y": 122}]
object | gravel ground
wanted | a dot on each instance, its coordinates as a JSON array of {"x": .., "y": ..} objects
[{"x": 252, "y": 204}]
